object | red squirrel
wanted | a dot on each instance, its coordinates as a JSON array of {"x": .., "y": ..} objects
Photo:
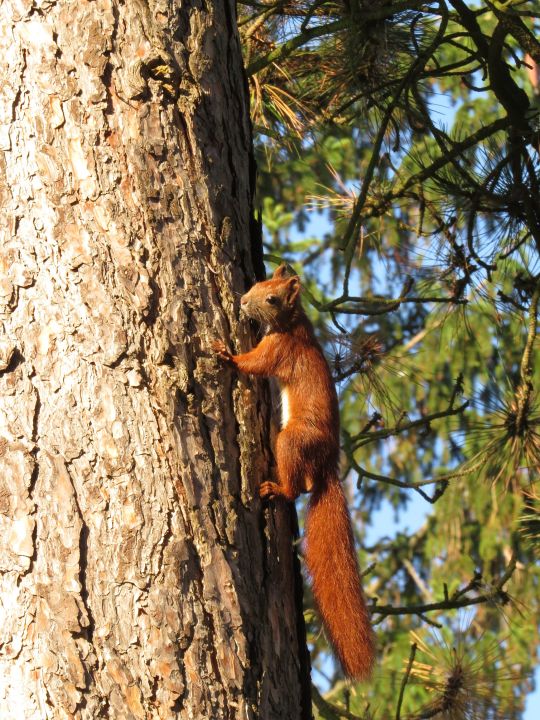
[{"x": 307, "y": 459}]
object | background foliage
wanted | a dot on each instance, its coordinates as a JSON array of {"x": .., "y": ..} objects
[{"x": 397, "y": 148}]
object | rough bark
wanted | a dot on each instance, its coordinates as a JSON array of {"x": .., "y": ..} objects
[{"x": 139, "y": 575}]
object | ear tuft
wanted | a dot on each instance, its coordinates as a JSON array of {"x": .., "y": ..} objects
[{"x": 280, "y": 272}]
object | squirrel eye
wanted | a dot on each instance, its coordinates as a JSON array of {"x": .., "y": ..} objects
[{"x": 271, "y": 299}]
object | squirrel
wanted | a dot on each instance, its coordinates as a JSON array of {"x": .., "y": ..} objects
[{"x": 307, "y": 459}]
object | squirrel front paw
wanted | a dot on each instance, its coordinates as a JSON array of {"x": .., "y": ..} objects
[{"x": 219, "y": 347}]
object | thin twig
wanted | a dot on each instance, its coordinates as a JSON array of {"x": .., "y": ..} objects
[
  {"x": 458, "y": 600},
  {"x": 405, "y": 680},
  {"x": 329, "y": 711},
  {"x": 525, "y": 388}
]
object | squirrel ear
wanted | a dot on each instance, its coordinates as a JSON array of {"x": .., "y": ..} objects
[
  {"x": 293, "y": 288},
  {"x": 280, "y": 272}
]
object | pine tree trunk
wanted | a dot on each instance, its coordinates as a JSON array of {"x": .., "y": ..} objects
[{"x": 140, "y": 576}]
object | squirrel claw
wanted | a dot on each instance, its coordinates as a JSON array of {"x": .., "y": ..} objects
[
  {"x": 219, "y": 347},
  {"x": 268, "y": 490}
]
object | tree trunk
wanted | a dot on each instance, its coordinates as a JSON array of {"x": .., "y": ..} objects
[{"x": 140, "y": 577}]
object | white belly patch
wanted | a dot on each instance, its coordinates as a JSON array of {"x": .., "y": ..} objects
[{"x": 285, "y": 408}]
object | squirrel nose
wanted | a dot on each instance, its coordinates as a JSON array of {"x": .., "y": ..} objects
[{"x": 243, "y": 301}]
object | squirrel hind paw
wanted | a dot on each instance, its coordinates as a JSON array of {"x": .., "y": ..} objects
[{"x": 268, "y": 490}]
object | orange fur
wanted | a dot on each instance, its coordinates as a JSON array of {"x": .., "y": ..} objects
[{"x": 307, "y": 459}]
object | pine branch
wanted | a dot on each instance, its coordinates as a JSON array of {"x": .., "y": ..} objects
[
  {"x": 359, "y": 441},
  {"x": 453, "y": 152},
  {"x": 459, "y": 599},
  {"x": 389, "y": 304},
  {"x": 287, "y": 48},
  {"x": 514, "y": 25},
  {"x": 510, "y": 95}
]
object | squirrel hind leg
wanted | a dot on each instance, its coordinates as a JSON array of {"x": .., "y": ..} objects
[{"x": 291, "y": 462}]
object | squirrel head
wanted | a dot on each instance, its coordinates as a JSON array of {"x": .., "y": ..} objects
[{"x": 275, "y": 302}]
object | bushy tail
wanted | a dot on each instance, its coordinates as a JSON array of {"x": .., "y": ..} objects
[{"x": 332, "y": 564}]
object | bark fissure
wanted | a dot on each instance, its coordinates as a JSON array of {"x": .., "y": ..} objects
[{"x": 18, "y": 93}]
